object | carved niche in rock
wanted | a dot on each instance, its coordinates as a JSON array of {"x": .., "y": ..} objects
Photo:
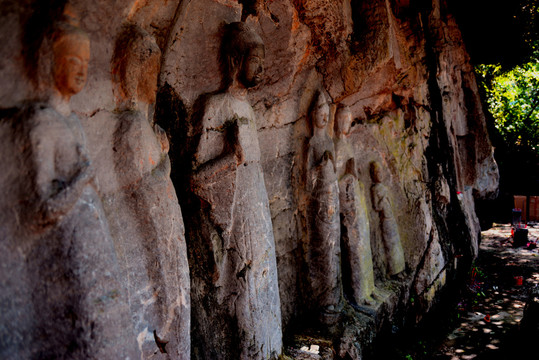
[
  {"x": 143, "y": 211},
  {"x": 381, "y": 202},
  {"x": 80, "y": 307},
  {"x": 236, "y": 306},
  {"x": 357, "y": 254},
  {"x": 323, "y": 249}
]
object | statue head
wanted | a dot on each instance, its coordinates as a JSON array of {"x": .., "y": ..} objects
[
  {"x": 319, "y": 111},
  {"x": 242, "y": 55},
  {"x": 377, "y": 175},
  {"x": 135, "y": 67},
  {"x": 71, "y": 53},
  {"x": 343, "y": 120}
]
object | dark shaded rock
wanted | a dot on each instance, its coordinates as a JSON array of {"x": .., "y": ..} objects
[
  {"x": 529, "y": 325},
  {"x": 258, "y": 255}
]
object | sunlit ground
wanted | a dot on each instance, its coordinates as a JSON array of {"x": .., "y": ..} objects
[{"x": 489, "y": 316}]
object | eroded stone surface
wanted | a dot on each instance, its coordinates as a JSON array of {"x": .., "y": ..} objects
[
  {"x": 357, "y": 254},
  {"x": 140, "y": 201},
  {"x": 404, "y": 73},
  {"x": 74, "y": 293},
  {"x": 322, "y": 246},
  {"x": 382, "y": 204},
  {"x": 236, "y": 301}
]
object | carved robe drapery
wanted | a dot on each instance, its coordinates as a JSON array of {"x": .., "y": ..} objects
[
  {"x": 323, "y": 249},
  {"x": 390, "y": 230},
  {"x": 78, "y": 294},
  {"x": 235, "y": 236},
  {"x": 147, "y": 227}
]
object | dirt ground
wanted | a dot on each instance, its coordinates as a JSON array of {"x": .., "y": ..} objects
[
  {"x": 484, "y": 325},
  {"x": 490, "y": 313}
]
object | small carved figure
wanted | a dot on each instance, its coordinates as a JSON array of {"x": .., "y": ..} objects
[
  {"x": 237, "y": 310},
  {"x": 381, "y": 201},
  {"x": 357, "y": 254},
  {"x": 323, "y": 249},
  {"x": 80, "y": 306},
  {"x": 143, "y": 211}
]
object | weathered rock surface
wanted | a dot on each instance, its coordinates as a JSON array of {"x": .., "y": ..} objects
[
  {"x": 322, "y": 242},
  {"x": 357, "y": 265},
  {"x": 402, "y": 69},
  {"x": 236, "y": 302},
  {"x": 140, "y": 202},
  {"x": 70, "y": 281}
]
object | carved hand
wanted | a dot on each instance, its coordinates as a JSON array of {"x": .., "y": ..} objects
[
  {"x": 67, "y": 193},
  {"x": 351, "y": 167},
  {"x": 327, "y": 155},
  {"x": 162, "y": 137},
  {"x": 85, "y": 174},
  {"x": 238, "y": 150}
]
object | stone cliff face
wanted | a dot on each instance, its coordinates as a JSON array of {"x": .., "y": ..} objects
[{"x": 252, "y": 171}]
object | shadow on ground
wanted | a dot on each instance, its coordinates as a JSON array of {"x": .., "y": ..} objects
[{"x": 484, "y": 323}]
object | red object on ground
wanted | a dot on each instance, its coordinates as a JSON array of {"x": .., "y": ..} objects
[
  {"x": 487, "y": 318},
  {"x": 518, "y": 280}
]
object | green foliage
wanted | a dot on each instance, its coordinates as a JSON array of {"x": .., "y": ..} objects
[
  {"x": 528, "y": 17},
  {"x": 513, "y": 100}
]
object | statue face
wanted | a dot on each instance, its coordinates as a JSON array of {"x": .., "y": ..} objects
[
  {"x": 147, "y": 84},
  {"x": 321, "y": 113},
  {"x": 252, "y": 70},
  {"x": 71, "y": 56},
  {"x": 344, "y": 121}
]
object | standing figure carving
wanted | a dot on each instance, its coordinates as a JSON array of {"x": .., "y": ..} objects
[
  {"x": 142, "y": 207},
  {"x": 236, "y": 297},
  {"x": 381, "y": 201},
  {"x": 80, "y": 305},
  {"x": 357, "y": 254},
  {"x": 323, "y": 247}
]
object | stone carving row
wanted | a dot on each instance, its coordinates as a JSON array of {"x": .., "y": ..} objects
[
  {"x": 109, "y": 270},
  {"x": 109, "y": 259},
  {"x": 337, "y": 215}
]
